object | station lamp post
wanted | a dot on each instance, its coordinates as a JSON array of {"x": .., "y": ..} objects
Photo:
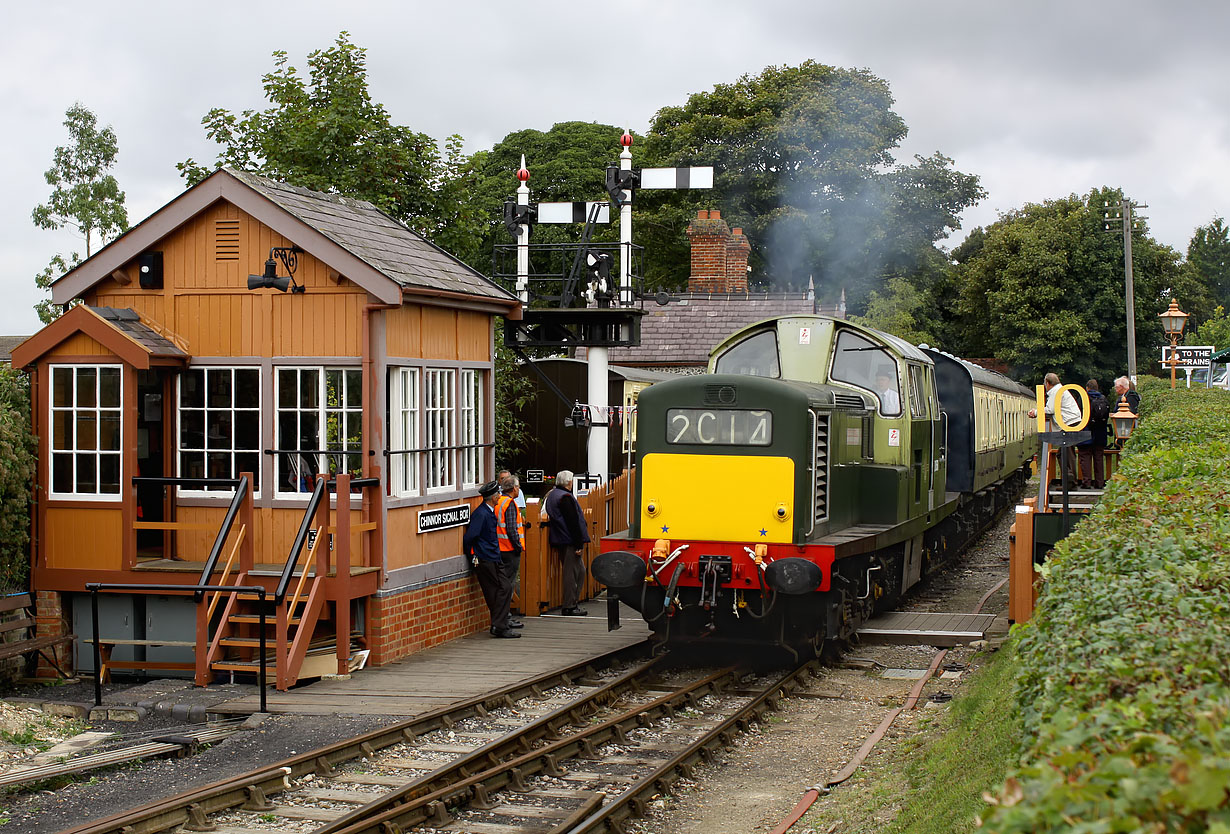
[
  {"x": 1124, "y": 422},
  {"x": 1173, "y": 321}
]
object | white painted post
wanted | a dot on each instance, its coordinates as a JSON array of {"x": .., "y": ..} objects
[{"x": 523, "y": 239}]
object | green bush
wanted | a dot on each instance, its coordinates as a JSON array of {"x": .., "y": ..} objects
[
  {"x": 1125, "y": 676},
  {"x": 17, "y": 471}
]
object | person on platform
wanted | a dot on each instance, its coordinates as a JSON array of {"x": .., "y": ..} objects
[
  {"x": 1125, "y": 390},
  {"x": 520, "y": 497},
  {"x": 481, "y": 543},
  {"x": 510, "y": 528},
  {"x": 567, "y": 535},
  {"x": 1090, "y": 453},
  {"x": 1069, "y": 412},
  {"x": 886, "y": 388}
]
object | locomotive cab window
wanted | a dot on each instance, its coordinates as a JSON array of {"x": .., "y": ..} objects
[
  {"x": 754, "y": 356},
  {"x": 719, "y": 427},
  {"x": 861, "y": 362}
]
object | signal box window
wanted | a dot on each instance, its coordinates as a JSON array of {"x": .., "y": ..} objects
[
  {"x": 754, "y": 356},
  {"x": 440, "y": 413},
  {"x": 861, "y": 362},
  {"x": 220, "y": 423},
  {"x": 86, "y": 431},
  {"x": 320, "y": 411}
]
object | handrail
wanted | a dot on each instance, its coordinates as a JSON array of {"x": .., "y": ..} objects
[
  {"x": 241, "y": 491},
  {"x": 226, "y": 570},
  {"x": 188, "y": 482},
  {"x": 199, "y": 590},
  {"x": 296, "y": 547}
]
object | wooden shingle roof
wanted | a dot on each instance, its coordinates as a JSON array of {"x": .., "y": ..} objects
[{"x": 376, "y": 238}]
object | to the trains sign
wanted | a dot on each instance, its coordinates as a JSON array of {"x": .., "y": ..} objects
[
  {"x": 1190, "y": 357},
  {"x": 443, "y": 518}
]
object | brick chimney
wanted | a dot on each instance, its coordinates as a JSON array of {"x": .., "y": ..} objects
[
  {"x": 737, "y": 250},
  {"x": 710, "y": 237}
]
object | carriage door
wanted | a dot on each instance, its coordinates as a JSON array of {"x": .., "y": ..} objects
[{"x": 922, "y": 440}]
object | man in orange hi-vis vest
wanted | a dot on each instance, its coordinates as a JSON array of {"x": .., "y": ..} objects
[{"x": 511, "y": 531}]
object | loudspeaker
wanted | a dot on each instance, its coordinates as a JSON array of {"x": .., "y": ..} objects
[{"x": 150, "y": 267}]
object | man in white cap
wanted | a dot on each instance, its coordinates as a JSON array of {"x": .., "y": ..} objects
[{"x": 481, "y": 543}]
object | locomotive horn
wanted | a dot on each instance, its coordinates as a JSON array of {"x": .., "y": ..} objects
[
  {"x": 793, "y": 575},
  {"x": 618, "y": 569}
]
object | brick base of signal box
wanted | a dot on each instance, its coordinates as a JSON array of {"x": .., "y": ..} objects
[{"x": 406, "y": 623}]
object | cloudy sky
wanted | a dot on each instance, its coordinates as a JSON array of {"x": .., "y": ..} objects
[{"x": 1039, "y": 99}]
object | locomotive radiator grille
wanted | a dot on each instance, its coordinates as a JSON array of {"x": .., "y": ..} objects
[{"x": 820, "y": 467}]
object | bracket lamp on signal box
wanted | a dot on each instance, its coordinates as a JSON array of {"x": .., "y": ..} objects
[{"x": 289, "y": 256}]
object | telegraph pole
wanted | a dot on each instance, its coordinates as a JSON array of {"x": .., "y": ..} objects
[{"x": 1125, "y": 214}]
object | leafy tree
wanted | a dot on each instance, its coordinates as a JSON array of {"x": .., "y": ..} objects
[
  {"x": 1208, "y": 260},
  {"x": 1042, "y": 289},
  {"x": 567, "y": 162},
  {"x": 1215, "y": 330},
  {"x": 83, "y": 195},
  {"x": 802, "y": 158},
  {"x": 17, "y": 450},
  {"x": 327, "y": 134}
]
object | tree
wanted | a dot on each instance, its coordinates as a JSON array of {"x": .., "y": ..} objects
[
  {"x": 327, "y": 134},
  {"x": 803, "y": 160},
  {"x": 1208, "y": 260},
  {"x": 17, "y": 472},
  {"x": 1214, "y": 331},
  {"x": 1042, "y": 289},
  {"x": 567, "y": 162},
  {"x": 83, "y": 195}
]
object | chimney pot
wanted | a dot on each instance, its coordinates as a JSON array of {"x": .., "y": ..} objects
[
  {"x": 702, "y": 214},
  {"x": 715, "y": 215}
]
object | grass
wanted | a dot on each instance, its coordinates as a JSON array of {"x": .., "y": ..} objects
[{"x": 932, "y": 782}]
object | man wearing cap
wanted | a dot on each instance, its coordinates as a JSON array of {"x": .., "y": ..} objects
[{"x": 481, "y": 543}]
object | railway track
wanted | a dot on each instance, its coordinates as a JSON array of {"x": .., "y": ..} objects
[{"x": 578, "y": 750}]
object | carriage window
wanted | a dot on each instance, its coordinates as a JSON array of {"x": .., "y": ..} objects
[
  {"x": 918, "y": 392},
  {"x": 719, "y": 427},
  {"x": 754, "y": 356},
  {"x": 861, "y": 362}
]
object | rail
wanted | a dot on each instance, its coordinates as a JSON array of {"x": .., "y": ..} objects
[
  {"x": 296, "y": 548},
  {"x": 198, "y": 592},
  {"x": 228, "y": 521}
]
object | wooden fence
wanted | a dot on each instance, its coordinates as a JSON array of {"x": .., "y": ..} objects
[{"x": 606, "y": 511}]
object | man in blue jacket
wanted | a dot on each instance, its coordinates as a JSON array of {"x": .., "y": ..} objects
[{"x": 482, "y": 544}]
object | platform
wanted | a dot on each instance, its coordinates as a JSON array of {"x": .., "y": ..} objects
[
  {"x": 927, "y": 629},
  {"x": 457, "y": 670}
]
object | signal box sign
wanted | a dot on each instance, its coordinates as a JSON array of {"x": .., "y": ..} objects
[
  {"x": 444, "y": 518},
  {"x": 1190, "y": 357}
]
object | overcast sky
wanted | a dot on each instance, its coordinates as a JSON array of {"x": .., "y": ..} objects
[{"x": 1039, "y": 99}]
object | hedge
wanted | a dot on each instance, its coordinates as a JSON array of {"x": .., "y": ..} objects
[
  {"x": 16, "y": 479},
  {"x": 1125, "y": 669}
]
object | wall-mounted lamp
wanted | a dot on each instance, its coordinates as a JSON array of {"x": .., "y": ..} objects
[{"x": 289, "y": 256}]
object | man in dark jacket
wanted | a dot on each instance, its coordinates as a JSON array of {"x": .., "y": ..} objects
[
  {"x": 1093, "y": 472},
  {"x": 481, "y": 543},
  {"x": 567, "y": 534}
]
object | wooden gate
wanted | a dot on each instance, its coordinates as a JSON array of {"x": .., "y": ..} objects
[{"x": 606, "y": 510}]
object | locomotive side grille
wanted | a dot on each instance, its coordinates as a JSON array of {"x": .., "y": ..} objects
[
  {"x": 820, "y": 468},
  {"x": 721, "y": 395},
  {"x": 848, "y": 401}
]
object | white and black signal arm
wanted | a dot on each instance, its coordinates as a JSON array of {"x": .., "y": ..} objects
[{"x": 621, "y": 183}]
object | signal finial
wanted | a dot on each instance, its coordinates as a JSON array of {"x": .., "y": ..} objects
[{"x": 523, "y": 173}]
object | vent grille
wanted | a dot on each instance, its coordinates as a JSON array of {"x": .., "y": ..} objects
[
  {"x": 821, "y": 467},
  {"x": 226, "y": 240},
  {"x": 848, "y": 401},
  {"x": 721, "y": 395}
]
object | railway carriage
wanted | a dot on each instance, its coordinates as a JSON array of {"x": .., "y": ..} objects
[{"x": 817, "y": 472}]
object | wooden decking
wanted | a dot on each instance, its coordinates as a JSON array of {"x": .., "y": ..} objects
[
  {"x": 458, "y": 670},
  {"x": 927, "y": 629}
]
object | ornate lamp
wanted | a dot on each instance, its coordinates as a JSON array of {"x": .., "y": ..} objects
[
  {"x": 1173, "y": 321},
  {"x": 289, "y": 256},
  {"x": 1124, "y": 422}
]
